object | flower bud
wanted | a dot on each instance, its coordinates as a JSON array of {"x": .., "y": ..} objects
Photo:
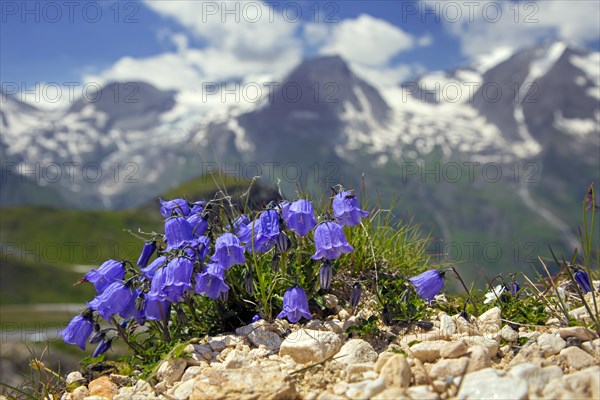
[
  {"x": 275, "y": 263},
  {"x": 249, "y": 283},
  {"x": 282, "y": 242},
  {"x": 355, "y": 294},
  {"x": 325, "y": 274}
]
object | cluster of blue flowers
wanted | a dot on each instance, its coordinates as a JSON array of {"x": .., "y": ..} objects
[
  {"x": 193, "y": 256},
  {"x": 187, "y": 262}
]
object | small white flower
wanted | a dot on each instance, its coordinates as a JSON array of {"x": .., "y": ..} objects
[{"x": 494, "y": 294}]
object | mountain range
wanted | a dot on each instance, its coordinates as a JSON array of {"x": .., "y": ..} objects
[{"x": 493, "y": 158}]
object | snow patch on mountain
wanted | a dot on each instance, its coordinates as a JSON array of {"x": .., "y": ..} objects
[
  {"x": 487, "y": 61},
  {"x": 590, "y": 65},
  {"x": 576, "y": 126},
  {"x": 544, "y": 61}
]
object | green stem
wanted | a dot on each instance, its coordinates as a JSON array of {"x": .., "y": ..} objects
[
  {"x": 134, "y": 346},
  {"x": 192, "y": 307},
  {"x": 466, "y": 289}
]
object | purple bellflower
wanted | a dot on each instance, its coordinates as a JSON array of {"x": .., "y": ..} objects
[
  {"x": 109, "y": 272},
  {"x": 178, "y": 274},
  {"x": 177, "y": 206},
  {"x": 330, "y": 241},
  {"x": 346, "y": 209},
  {"x": 211, "y": 282},
  {"x": 198, "y": 248},
  {"x": 78, "y": 331},
  {"x": 102, "y": 348},
  {"x": 198, "y": 207},
  {"x": 295, "y": 305},
  {"x": 428, "y": 284},
  {"x": 151, "y": 269},
  {"x": 147, "y": 251},
  {"x": 285, "y": 208},
  {"x": 228, "y": 251},
  {"x": 583, "y": 280},
  {"x": 115, "y": 299},
  {"x": 199, "y": 224},
  {"x": 300, "y": 217},
  {"x": 266, "y": 231},
  {"x": 156, "y": 305},
  {"x": 155, "y": 308},
  {"x": 131, "y": 310},
  {"x": 178, "y": 232},
  {"x": 241, "y": 229}
]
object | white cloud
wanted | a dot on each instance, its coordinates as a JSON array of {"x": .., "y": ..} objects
[
  {"x": 243, "y": 41},
  {"x": 481, "y": 26},
  {"x": 248, "y": 41},
  {"x": 367, "y": 40},
  {"x": 250, "y": 29},
  {"x": 190, "y": 68},
  {"x": 368, "y": 44},
  {"x": 316, "y": 34}
]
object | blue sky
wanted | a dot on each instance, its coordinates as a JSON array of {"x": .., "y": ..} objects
[{"x": 180, "y": 43}]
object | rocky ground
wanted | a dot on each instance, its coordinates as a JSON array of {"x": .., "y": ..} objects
[{"x": 484, "y": 357}]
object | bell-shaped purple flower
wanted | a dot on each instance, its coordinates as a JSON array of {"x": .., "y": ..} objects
[
  {"x": 346, "y": 209},
  {"x": 241, "y": 229},
  {"x": 178, "y": 231},
  {"x": 198, "y": 248},
  {"x": 228, "y": 251},
  {"x": 154, "y": 265},
  {"x": 78, "y": 331},
  {"x": 199, "y": 224},
  {"x": 198, "y": 207},
  {"x": 266, "y": 231},
  {"x": 583, "y": 280},
  {"x": 147, "y": 251},
  {"x": 156, "y": 308},
  {"x": 156, "y": 305},
  {"x": 102, "y": 348},
  {"x": 178, "y": 275},
  {"x": 158, "y": 283},
  {"x": 177, "y": 206},
  {"x": 285, "y": 208},
  {"x": 428, "y": 284},
  {"x": 330, "y": 241},
  {"x": 300, "y": 217},
  {"x": 113, "y": 300},
  {"x": 133, "y": 308},
  {"x": 211, "y": 282},
  {"x": 295, "y": 305},
  {"x": 109, "y": 272}
]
